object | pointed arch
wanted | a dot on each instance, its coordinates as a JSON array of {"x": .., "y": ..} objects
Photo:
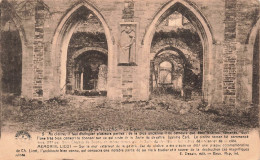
[
  {"x": 193, "y": 14},
  {"x": 253, "y": 32},
  {"x": 63, "y": 34},
  {"x": 187, "y": 9},
  {"x": 6, "y": 7},
  {"x": 253, "y": 50}
]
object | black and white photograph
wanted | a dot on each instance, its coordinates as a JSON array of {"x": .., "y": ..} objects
[{"x": 146, "y": 69}]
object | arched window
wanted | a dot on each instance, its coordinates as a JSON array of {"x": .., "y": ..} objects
[{"x": 165, "y": 73}]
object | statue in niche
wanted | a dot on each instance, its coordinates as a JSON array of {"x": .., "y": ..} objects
[{"x": 127, "y": 44}]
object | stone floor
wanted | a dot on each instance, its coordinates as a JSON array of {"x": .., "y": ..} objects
[{"x": 79, "y": 113}]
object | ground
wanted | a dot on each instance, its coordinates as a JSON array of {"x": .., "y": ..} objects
[{"x": 79, "y": 113}]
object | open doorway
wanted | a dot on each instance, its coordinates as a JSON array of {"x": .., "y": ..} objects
[
  {"x": 87, "y": 57},
  {"x": 90, "y": 73},
  {"x": 177, "y": 43},
  {"x": 11, "y": 56}
]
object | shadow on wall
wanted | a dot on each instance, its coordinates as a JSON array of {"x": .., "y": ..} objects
[{"x": 11, "y": 62}]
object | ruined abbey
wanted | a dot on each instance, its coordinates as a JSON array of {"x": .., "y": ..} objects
[{"x": 128, "y": 50}]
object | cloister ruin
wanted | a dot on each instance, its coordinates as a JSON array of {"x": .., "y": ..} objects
[{"x": 127, "y": 50}]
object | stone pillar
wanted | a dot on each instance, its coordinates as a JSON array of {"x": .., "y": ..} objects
[
  {"x": 151, "y": 76},
  {"x": 229, "y": 57},
  {"x": 81, "y": 81},
  {"x": 102, "y": 78},
  {"x": 1, "y": 74},
  {"x": 38, "y": 51},
  {"x": 127, "y": 82},
  {"x": 259, "y": 78}
]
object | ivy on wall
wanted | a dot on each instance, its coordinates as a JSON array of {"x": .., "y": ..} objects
[
  {"x": 80, "y": 40},
  {"x": 187, "y": 36},
  {"x": 192, "y": 40}
]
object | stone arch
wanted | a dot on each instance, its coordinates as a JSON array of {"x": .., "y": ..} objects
[
  {"x": 78, "y": 79},
  {"x": 170, "y": 42},
  {"x": 253, "y": 49},
  {"x": 178, "y": 57},
  {"x": 166, "y": 56},
  {"x": 253, "y": 32},
  {"x": 62, "y": 37},
  {"x": 15, "y": 19},
  {"x": 193, "y": 14},
  {"x": 9, "y": 9},
  {"x": 166, "y": 60},
  {"x": 184, "y": 53},
  {"x": 177, "y": 61},
  {"x": 162, "y": 56},
  {"x": 86, "y": 49}
]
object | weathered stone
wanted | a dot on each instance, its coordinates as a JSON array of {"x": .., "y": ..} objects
[{"x": 227, "y": 56}]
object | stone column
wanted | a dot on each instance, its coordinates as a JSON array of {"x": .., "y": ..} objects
[
  {"x": 102, "y": 78},
  {"x": 81, "y": 80},
  {"x": 152, "y": 69},
  {"x": 38, "y": 51},
  {"x": 0, "y": 93},
  {"x": 259, "y": 78},
  {"x": 229, "y": 57}
]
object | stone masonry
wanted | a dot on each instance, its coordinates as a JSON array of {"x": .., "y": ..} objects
[
  {"x": 229, "y": 57},
  {"x": 226, "y": 28},
  {"x": 38, "y": 50}
]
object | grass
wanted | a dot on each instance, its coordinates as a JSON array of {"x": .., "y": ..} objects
[{"x": 78, "y": 113}]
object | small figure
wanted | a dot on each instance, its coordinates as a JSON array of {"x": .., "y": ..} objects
[{"x": 127, "y": 41}]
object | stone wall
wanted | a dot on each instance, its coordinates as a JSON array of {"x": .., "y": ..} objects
[
  {"x": 224, "y": 27},
  {"x": 247, "y": 16}
]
